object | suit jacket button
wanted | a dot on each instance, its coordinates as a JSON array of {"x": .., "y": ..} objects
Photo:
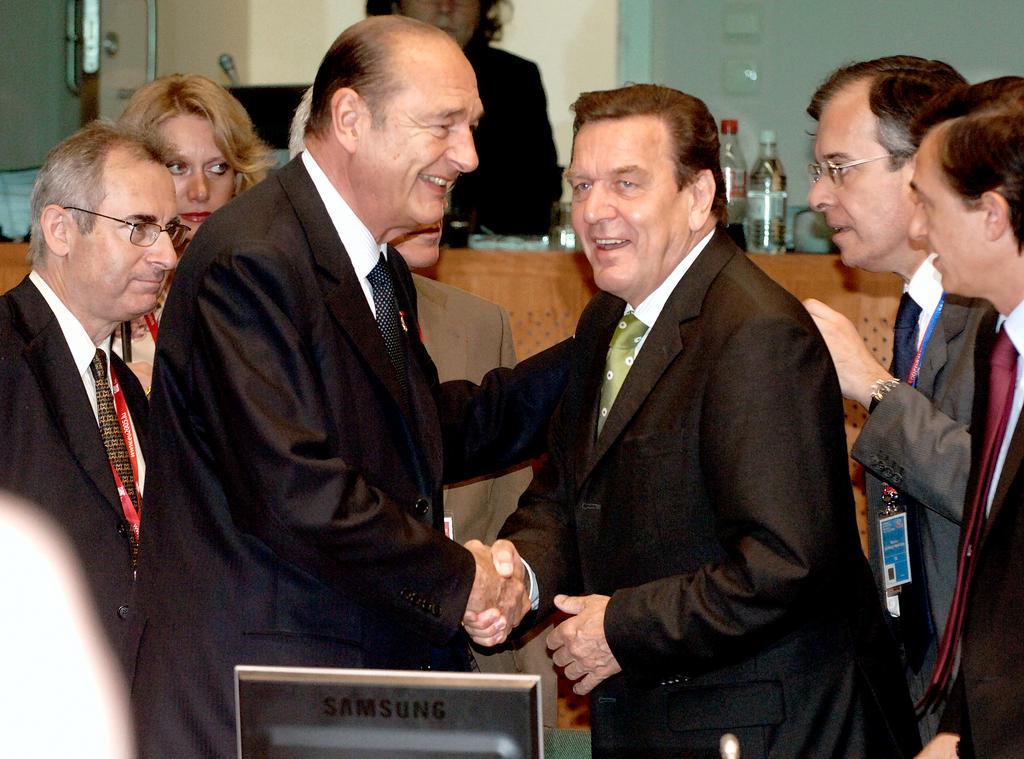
[
  {"x": 122, "y": 611},
  {"x": 421, "y": 507},
  {"x": 122, "y": 529}
]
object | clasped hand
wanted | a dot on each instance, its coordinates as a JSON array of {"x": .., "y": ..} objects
[
  {"x": 498, "y": 600},
  {"x": 579, "y": 644}
]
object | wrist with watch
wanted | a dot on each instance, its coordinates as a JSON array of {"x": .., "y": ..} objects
[{"x": 881, "y": 388}]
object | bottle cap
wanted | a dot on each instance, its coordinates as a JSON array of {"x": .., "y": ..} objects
[
  {"x": 768, "y": 135},
  {"x": 729, "y": 126}
]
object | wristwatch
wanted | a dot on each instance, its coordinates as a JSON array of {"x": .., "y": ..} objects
[{"x": 880, "y": 389}]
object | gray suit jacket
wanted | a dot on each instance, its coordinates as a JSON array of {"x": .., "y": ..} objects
[{"x": 917, "y": 440}]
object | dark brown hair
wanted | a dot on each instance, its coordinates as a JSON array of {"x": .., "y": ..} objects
[
  {"x": 691, "y": 128},
  {"x": 362, "y": 58},
  {"x": 901, "y": 85},
  {"x": 981, "y": 147}
]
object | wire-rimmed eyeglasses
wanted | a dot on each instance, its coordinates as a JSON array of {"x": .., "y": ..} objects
[
  {"x": 835, "y": 171},
  {"x": 145, "y": 233}
]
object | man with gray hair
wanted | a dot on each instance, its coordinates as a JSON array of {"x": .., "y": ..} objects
[
  {"x": 915, "y": 444},
  {"x": 100, "y": 207}
]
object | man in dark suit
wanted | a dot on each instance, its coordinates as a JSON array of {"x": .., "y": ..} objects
[
  {"x": 700, "y": 520},
  {"x": 969, "y": 181},
  {"x": 90, "y": 271},
  {"x": 519, "y": 178},
  {"x": 302, "y": 438},
  {"x": 914, "y": 445}
]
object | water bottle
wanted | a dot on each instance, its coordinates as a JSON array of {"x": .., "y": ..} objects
[
  {"x": 734, "y": 171},
  {"x": 766, "y": 200}
]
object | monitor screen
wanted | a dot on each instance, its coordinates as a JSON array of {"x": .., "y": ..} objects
[{"x": 306, "y": 713}]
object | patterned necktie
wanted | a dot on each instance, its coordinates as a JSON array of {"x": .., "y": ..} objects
[
  {"x": 110, "y": 427},
  {"x": 628, "y": 333},
  {"x": 1002, "y": 382},
  {"x": 388, "y": 317}
]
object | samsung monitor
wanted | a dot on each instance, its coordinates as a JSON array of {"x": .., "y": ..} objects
[{"x": 306, "y": 713}]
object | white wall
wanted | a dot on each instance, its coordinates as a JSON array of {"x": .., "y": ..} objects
[
  {"x": 800, "y": 43},
  {"x": 572, "y": 41}
]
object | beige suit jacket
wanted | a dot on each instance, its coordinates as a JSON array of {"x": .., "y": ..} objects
[{"x": 467, "y": 336}]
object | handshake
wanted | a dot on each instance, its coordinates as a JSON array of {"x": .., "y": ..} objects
[{"x": 499, "y": 599}]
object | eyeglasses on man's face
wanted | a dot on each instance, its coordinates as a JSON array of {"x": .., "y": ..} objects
[
  {"x": 145, "y": 233},
  {"x": 836, "y": 171}
]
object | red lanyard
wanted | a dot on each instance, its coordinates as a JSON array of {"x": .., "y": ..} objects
[
  {"x": 153, "y": 325},
  {"x": 130, "y": 512}
]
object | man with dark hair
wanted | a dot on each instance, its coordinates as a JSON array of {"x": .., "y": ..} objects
[
  {"x": 301, "y": 435},
  {"x": 518, "y": 180},
  {"x": 969, "y": 181},
  {"x": 74, "y": 416},
  {"x": 914, "y": 445},
  {"x": 695, "y": 502}
]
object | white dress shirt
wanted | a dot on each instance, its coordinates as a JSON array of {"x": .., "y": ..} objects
[
  {"x": 1014, "y": 326},
  {"x": 925, "y": 287},
  {"x": 363, "y": 250},
  {"x": 82, "y": 352}
]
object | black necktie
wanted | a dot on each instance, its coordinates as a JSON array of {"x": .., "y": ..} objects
[
  {"x": 904, "y": 338},
  {"x": 388, "y": 317},
  {"x": 916, "y": 624}
]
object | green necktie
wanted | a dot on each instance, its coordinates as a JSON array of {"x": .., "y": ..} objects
[{"x": 628, "y": 333}]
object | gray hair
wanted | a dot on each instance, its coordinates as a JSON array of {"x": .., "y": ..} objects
[
  {"x": 72, "y": 174},
  {"x": 297, "y": 130}
]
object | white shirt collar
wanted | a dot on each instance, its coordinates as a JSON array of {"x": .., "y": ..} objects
[
  {"x": 925, "y": 286},
  {"x": 1014, "y": 326},
  {"x": 82, "y": 348},
  {"x": 363, "y": 250},
  {"x": 651, "y": 307}
]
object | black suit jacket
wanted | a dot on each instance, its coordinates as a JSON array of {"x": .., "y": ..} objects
[
  {"x": 53, "y": 452},
  {"x": 519, "y": 178},
  {"x": 715, "y": 510},
  {"x": 985, "y": 702},
  {"x": 295, "y": 492}
]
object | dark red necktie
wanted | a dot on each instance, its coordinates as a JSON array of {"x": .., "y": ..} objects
[{"x": 1002, "y": 380}]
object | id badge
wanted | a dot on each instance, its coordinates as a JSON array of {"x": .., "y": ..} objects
[{"x": 895, "y": 557}]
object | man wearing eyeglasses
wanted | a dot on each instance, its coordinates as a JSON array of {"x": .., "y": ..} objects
[
  {"x": 915, "y": 444},
  {"x": 73, "y": 415}
]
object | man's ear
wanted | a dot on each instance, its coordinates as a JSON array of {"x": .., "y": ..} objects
[
  {"x": 996, "y": 215},
  {"x": 349, "y": 117},
  {"x": 59, "y": 227},
  {"x": 703, "y": 190}
]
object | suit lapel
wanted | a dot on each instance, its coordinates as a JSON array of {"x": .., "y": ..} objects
[
  {"x": 949, "y": 325},
  {"x": 343, "y": 293},
  {"x": 663, "y": 344},
  {"x": 49, "y": 357}
]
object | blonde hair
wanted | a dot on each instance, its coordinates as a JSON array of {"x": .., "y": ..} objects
[{"x": 194, "y": 94}]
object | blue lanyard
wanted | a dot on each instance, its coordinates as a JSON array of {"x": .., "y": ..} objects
[{"x": 916, "y": 366}]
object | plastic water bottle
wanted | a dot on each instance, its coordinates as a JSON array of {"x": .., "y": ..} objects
[
  {"x": 734, "y": 171},
  {"x": 766, "y": 200}
]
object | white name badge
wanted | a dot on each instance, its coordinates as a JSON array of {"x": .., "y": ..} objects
[{"x": 895, "y": 557}]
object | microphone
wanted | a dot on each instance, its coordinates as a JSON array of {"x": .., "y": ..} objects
[
  {"x": 729, "y": 747},
  {"x": 227, "y": 63}
]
